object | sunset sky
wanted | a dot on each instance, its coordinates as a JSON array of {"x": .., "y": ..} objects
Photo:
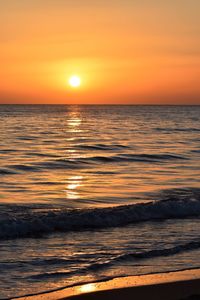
[{"x": 124, "y": 51}]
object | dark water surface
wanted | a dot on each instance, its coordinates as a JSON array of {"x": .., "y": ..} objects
[{"x": 96, "y": 192}]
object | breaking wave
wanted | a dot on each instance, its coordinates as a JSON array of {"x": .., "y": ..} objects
[{"x": 31, "y": 222}]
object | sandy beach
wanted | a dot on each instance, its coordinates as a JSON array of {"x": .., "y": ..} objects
[{"x": 169, "y": 286}]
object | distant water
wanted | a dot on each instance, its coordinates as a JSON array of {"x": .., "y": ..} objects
[{"x": 93, "y": 192}]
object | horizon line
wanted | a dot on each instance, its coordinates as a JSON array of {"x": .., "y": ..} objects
[{"x": 101, "y": 104}]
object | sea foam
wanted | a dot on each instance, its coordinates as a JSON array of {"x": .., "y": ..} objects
[{"x": 36, "y": 223}]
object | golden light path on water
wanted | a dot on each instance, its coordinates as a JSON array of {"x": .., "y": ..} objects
[{"x": 74, "y": 182}]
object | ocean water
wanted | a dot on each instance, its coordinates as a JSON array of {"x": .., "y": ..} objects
[{"x": 94, "y": 192}]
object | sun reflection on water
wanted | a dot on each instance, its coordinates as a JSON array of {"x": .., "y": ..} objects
[
  {"x": 87, "y": 288},
  {"x": 74, "y": 121},
  {"x": 74, "y": 182}
]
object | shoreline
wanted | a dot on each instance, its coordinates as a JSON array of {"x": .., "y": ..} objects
[{"x": 178, "y": 285}]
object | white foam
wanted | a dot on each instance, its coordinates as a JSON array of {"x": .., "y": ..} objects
[{"x": 33, "y": 223}]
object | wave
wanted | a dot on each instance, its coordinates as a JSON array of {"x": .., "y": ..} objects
[
  {"x": 89, "y": 162},
  {"x": 6, "y": 171},
  {"x": 155, "y": 253},
  {"x": 161, "y": 252},
  {"x": 27, "y": 138},
  {"x": 195, "y": 151},
  {"x": 41, "y": 154},
  {"x": 25, "y": 168},
  {"x": 137, "y": 158},
  {"x": 5, "y": 151},
  {"x": 174, "y": 130},
  {"x": 134, "y": 256},
  {"x": 31, "y": 223},
  {"x": 103, "y": 147}
]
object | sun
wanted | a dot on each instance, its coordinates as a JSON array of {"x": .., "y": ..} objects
[{"x": 74, "y": 81}]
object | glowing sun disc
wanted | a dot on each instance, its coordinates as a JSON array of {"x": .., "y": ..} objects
[{"x": 74, "y": 81}]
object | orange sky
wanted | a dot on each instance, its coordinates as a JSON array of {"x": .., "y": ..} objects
[{"x": 125, "y": 51}]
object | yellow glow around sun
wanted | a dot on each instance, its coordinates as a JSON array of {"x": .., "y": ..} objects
[{"x": 74, "y": 81}]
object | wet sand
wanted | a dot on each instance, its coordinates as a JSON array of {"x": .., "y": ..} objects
[{"x": 170, "y": 286}]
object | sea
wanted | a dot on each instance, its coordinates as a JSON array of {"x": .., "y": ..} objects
[{"x": 89, "y": 193}]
